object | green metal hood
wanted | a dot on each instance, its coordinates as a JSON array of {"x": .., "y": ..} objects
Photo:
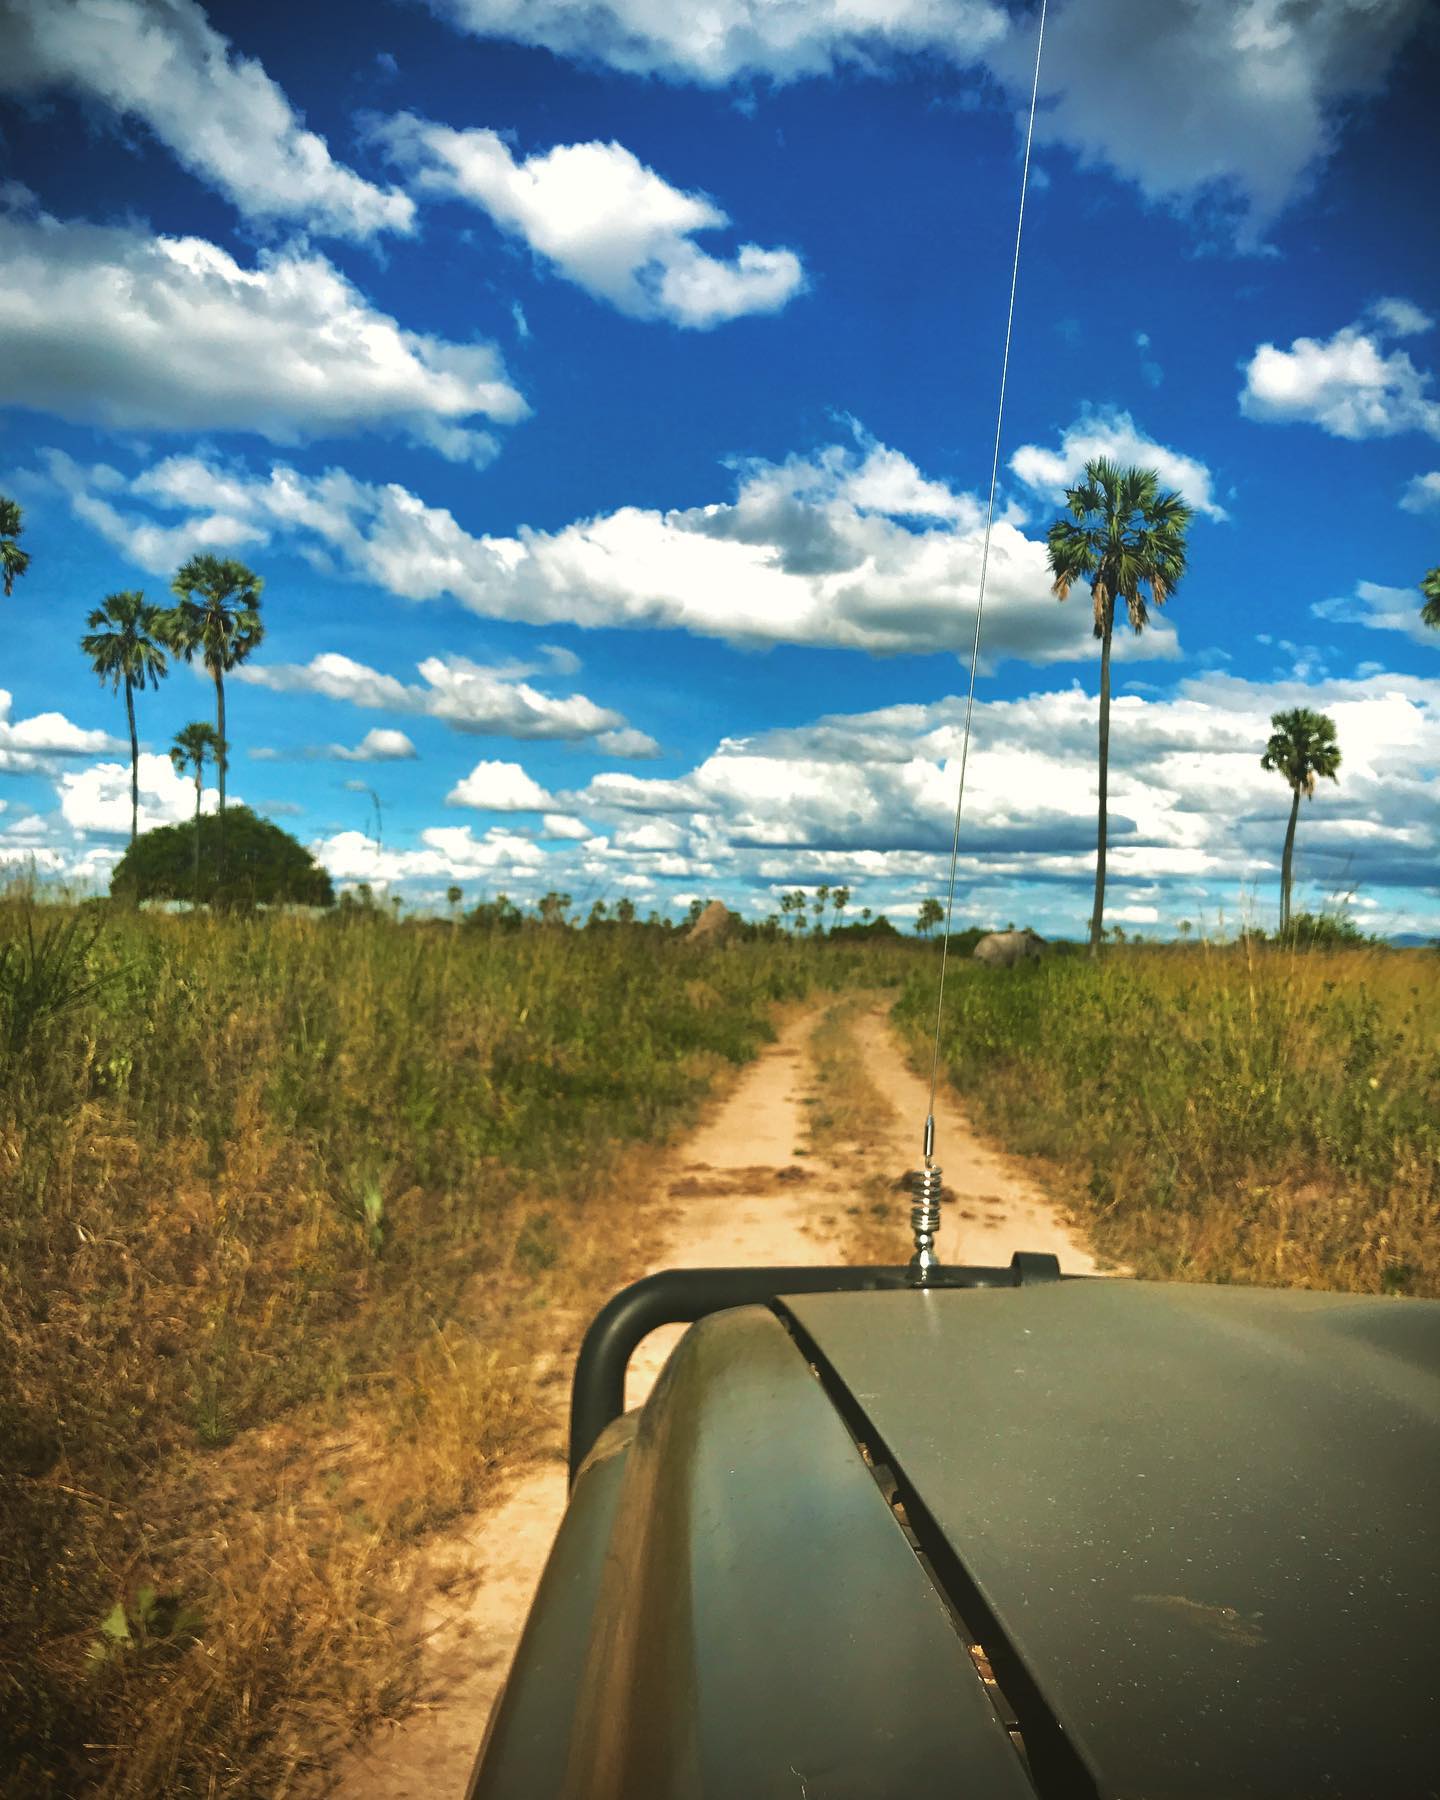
[{"x": 1198, "y": 1529}]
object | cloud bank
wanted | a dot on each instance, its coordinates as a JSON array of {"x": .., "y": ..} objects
[
  {"x": 850, "y": 547},
  {"x": 1232, "y": 101}
]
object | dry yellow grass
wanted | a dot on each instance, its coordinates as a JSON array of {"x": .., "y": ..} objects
[
  {"x": 286, "y": 1209},
  {"x": 1220, "y": 1113}
]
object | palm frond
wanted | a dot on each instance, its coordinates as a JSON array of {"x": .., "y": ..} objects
[
  {"x": 1302, "y": 747},
  {"x": 13, "y": 560},
  {"x": 131, "y": 650},
  {"x": 1430, "y": 588},
  {"x": 216, "y": 615},
  {"x": 1125, "y": 536}
]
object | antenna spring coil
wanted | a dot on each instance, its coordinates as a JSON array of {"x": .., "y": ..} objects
[{"x": 925, "y": 1187}]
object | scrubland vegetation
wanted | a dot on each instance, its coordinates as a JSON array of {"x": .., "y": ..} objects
[
  {"x": 1240, "y": 1113},
  {"x": 289, "y": 1205},
  {"x": 286, "y": 1206}
]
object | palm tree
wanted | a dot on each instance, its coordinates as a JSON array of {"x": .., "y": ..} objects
[
  {"x": 218, "y": 615},
  {"x": 1429, "y": 587},
  {"x": 129, "y": 654},
  {"x": 1302, "y": 746},
  {"x": 13, "y": 560},
  {"x": 1123, "y": 535},
  {"x": 193, "y": 747}
]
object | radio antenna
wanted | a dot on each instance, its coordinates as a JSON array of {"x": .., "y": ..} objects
[{"x": 925, "y": 1212}]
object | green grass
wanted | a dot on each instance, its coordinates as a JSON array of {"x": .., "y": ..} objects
[
  {"x": 1219, "y": 1115},
  {"x": 285, "y": 1208},
  {"x": 289, "y": 1207}
]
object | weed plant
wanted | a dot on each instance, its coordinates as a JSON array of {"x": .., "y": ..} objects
[
  {"x": 285, "y": 1205},
  {"x": 1247, "y": 1113}
]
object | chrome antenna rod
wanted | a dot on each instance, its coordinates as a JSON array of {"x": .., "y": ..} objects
[{"x": 925, "y": 1214}]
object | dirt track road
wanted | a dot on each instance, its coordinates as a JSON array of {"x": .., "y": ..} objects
[{"x": 740, "y": 1190}]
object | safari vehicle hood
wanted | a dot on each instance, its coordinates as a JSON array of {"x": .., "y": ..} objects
[
  {"x": 1198, "y": 1528},
  {"x": 1103, "y": 1538}
]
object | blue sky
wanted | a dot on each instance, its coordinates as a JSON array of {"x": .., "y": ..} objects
[{"x": 606, "y": 396}]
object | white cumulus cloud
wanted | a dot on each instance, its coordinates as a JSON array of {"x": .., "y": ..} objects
[
  {"x": 627, "y": 742},
  {"x": 1347, "y": 384},
  {"x": 451, "y": 853},
  {"x": 480, "y": 701},
  {"x": 107, "y": 325},
  {"x": 1422, "y": 493},
  {"x": 1114, "y": 435},
  {"x": 724, "y": 39},
  {"x": 1379, "y": 608},
  {"x": 377, "y": 745},
  {"x": 28, "y": 746},
  {"x": 221, "y": 115},
  {"x": 1402, "y": 318},
  {"x": 500, "y": 787},
  {"x": 605, "y": 221},
  {"x": 97, "y": 799}
]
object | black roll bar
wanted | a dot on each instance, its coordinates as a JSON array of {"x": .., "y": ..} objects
[{"x": 681, "y": 1296}]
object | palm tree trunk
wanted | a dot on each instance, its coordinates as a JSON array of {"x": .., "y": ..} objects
[
  {"x": 1097, "y": 917},
  {"x": 134, "y": 763},
  {"x": 220, "y": 758},
  {"x": 199, "y": 777},
  {"x": 220, "y": 766},
  {"x": 1287, "y": 863}
]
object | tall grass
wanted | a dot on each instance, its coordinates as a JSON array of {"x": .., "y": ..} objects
[
  {"x": 1220, "y": 1114},
  {"x": 285, "y": 1206},
  {"x": 288, "y": 1208}
]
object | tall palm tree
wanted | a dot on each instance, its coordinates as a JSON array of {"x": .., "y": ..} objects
[
  {"x": 128, "y": 655},
  {"x": 217, "y": 615},
  {"x": 1123, "y": 536},
  {"x": 1429, "y": 587},
  {"x": 1302, "y": 746},
  {"x": 194, "y": 745},
  {"x": 13, "y": 560}
]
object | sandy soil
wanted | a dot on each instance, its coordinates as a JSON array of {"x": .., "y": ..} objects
[
  {"x": 997, "y": 1209},
  {"x": 741, "y": 1190}
]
